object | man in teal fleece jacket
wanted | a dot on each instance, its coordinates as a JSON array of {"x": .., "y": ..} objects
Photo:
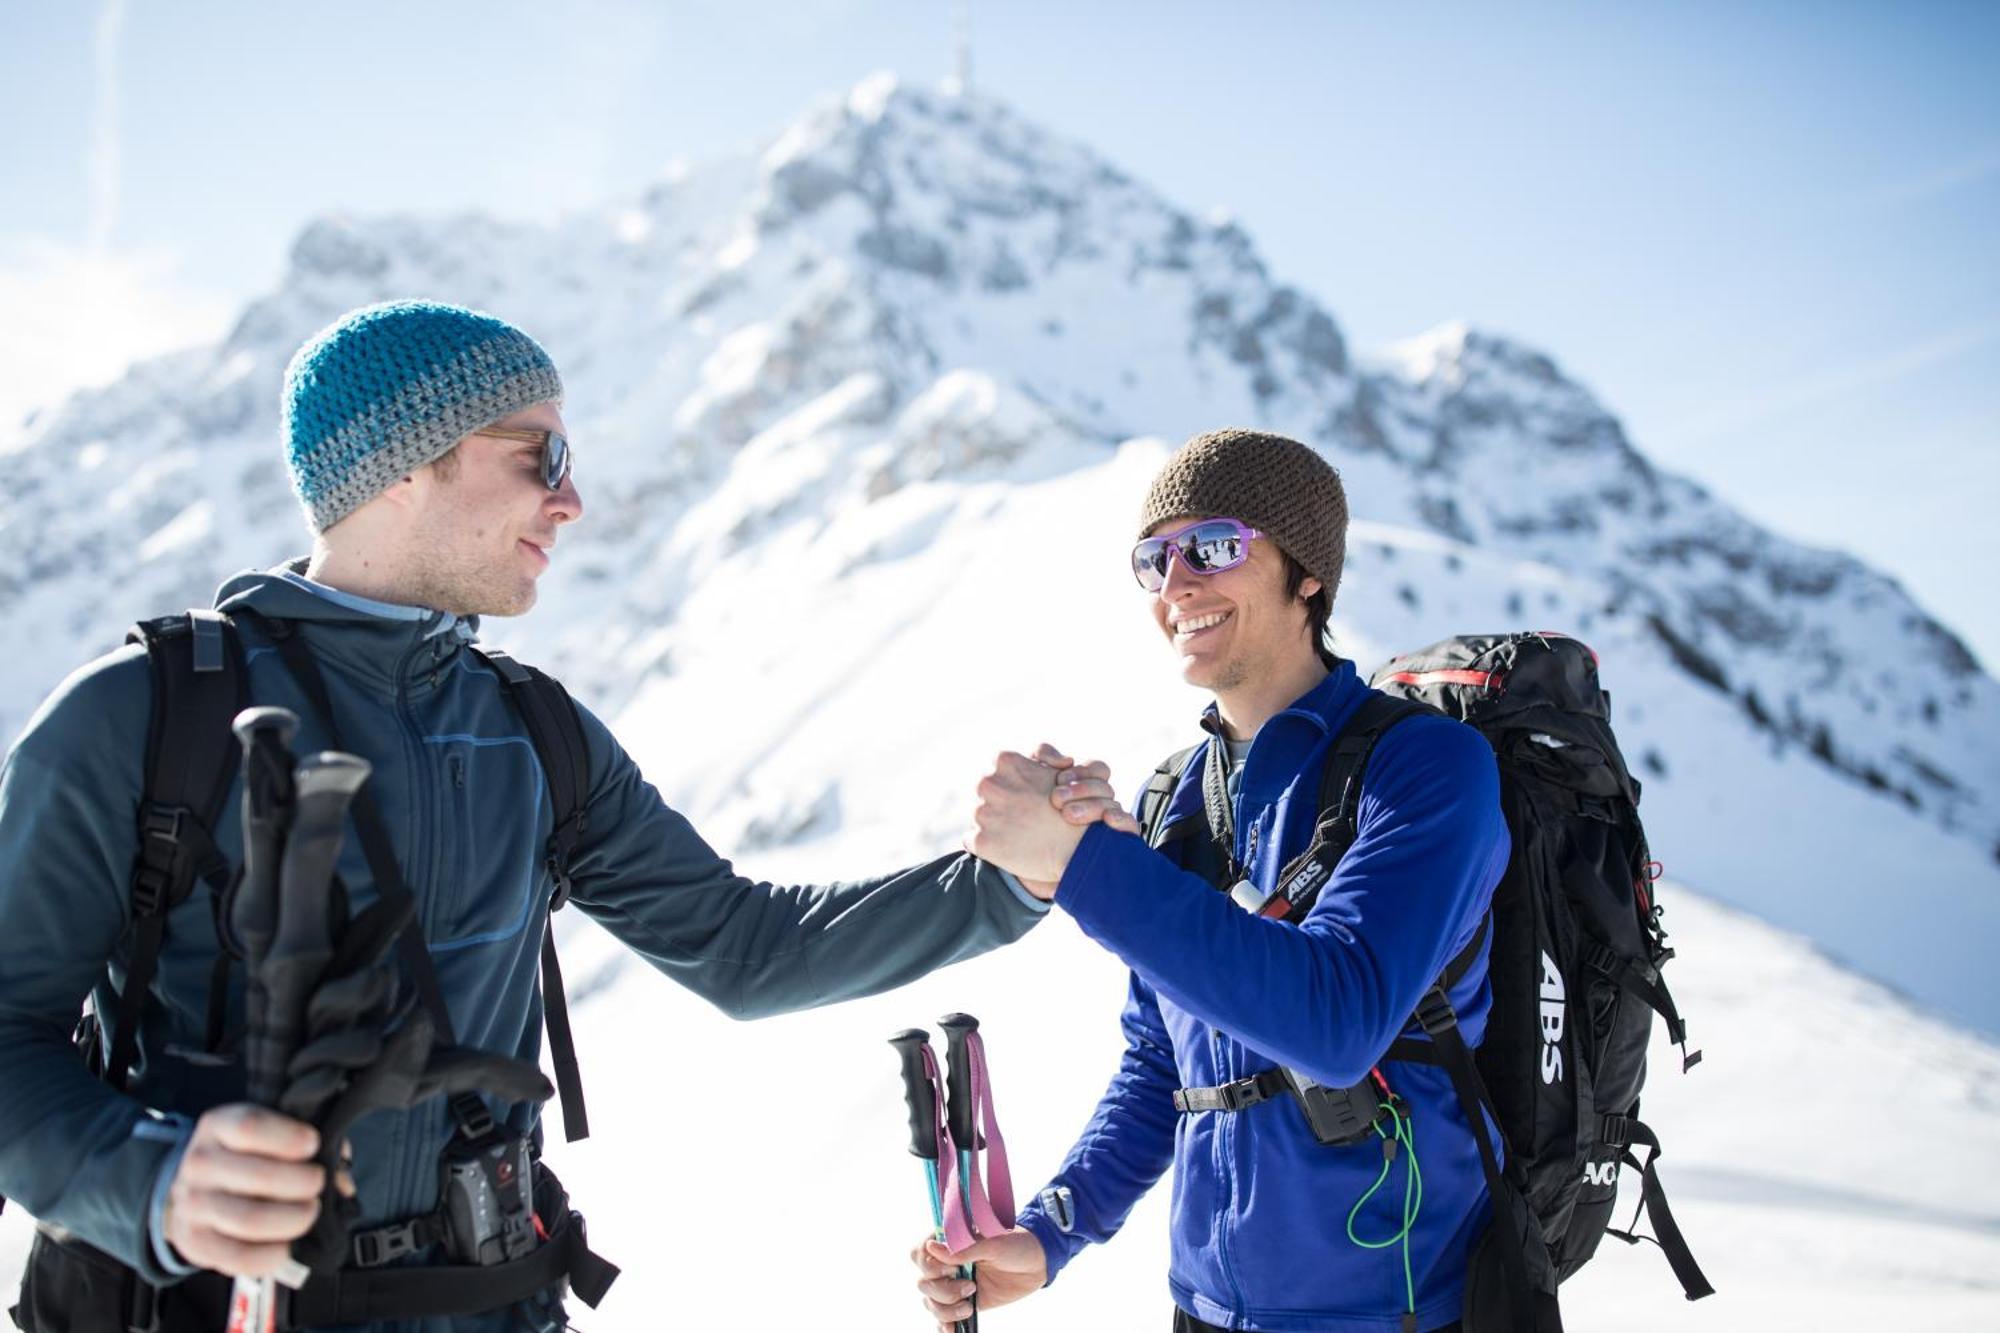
[
  {"x": 1242, "y": 542},
  {"x": 427, "y": 446}
]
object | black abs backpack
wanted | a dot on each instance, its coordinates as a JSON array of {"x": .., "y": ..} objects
[{"x": 1577, "y": 948}]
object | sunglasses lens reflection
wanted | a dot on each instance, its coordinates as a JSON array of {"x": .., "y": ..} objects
[
  {"x": 1211, "y": 548},
  {"x": 1207, "y": 549},
  {"x": 1149, "y": 563},
  {"x": 555, "y": 461}
]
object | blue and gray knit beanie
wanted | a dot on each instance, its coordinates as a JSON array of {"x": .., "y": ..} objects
[{"x": 387, "y": 388}]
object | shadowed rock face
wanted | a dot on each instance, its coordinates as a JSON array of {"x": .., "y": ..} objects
[{"x": 914, "y": 288}]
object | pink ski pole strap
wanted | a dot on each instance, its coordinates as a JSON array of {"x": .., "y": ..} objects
[{"x": 977, "y": 1204}]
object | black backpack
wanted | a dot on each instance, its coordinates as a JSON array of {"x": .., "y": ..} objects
[
  {"x": 192, "y": 755},
  {"x": 1575, "y": 961},
  {"x": 199, "y": 684}
]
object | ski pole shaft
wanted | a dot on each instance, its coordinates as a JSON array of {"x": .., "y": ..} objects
[
  {"x": 253, "y": 909},
  {"x": 323, "y": 786},
  {"x": 962, "y": 1120},
  {"x": 299, "y": 944},
  {"x": 265, "y": 734}
]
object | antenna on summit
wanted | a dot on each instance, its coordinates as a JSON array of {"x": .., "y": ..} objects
[{"x": 962, "y": 46}]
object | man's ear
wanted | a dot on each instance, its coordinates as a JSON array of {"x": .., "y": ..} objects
[
  {"x": 403, "y": 491},
  {"x": 1309, "y": 588}
]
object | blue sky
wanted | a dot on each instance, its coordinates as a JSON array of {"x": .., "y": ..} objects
[{"x": 1764, "y": 234}]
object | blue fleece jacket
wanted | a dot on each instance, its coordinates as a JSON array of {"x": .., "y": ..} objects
[{"x": 1260, "y": 1210}]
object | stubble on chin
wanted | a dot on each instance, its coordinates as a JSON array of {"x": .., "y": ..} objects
[
  {"x": 1216, "y": 677},
  {"x": 470, "y": 592}
]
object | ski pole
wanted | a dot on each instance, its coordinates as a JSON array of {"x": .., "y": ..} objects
[
  {"x": 253, "y": 913},
  {"x": 265, "y": 734},
  {"x": 921, "y": 1096},
  {"x": 960, "y": 1123},
  {"x": 982, "y": 1199},
  {"x": 300, "y": 945}
]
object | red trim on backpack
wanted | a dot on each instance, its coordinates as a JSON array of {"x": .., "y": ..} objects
[
  {"x": 1483, "y": 680},
  {"x": 1595, "y": 660}
]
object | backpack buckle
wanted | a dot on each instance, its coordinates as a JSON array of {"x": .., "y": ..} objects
[
  {"x": 374, "y": 1248},
  {"x": 1240, "y": 1095},
  {"x": 560, "y": 898}
]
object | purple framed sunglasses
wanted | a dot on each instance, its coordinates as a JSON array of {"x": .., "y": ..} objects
[{"x": 1207, "y": 547}]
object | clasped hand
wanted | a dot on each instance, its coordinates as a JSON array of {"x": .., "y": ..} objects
[{"x": 1032, "y": 812}]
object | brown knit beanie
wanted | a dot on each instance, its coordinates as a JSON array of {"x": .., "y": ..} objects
[{"x": 1276, "y": 485}]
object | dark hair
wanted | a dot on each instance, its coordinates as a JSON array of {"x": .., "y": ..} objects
[{"x": 1319, "y": 608}]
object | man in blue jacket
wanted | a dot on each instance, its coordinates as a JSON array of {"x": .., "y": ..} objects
[
  {"x": 1242, "y": 540},
  {"x": 427, "y": 446}
]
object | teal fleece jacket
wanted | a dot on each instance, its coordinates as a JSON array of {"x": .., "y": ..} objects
[{"x": 468, "y": 812}]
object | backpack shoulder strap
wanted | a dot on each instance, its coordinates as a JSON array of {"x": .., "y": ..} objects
[
  {"x": 1160, "y": 790},
  {"x": 198, "y": 686},
  {"x": 556, "y": 732},
  {"x": 1299, "y": 883},
  {"x": 1347, "y": 759}
]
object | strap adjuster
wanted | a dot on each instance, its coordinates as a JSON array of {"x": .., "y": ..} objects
[
  {"x": 561, "y": 841},
  {"x": 1434, "y": 1012},
  {"x": 1615, "y": 1131},
  {"x": 475, "y": 1122},
  {"x": 162, "y": 852}
]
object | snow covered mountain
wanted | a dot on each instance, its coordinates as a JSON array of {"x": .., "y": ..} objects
[
  {"x": 863, "y": 421},
  {"x": 846, "y": 352}
]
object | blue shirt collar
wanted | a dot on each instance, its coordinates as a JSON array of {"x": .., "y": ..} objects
[{"x": 447, "y": 623}]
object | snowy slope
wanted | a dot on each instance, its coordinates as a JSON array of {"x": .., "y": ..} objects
[
  {"x": 1831, "y": 1158},
  {"x": 862, "y": 422}
]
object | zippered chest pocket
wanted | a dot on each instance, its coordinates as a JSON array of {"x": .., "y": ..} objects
[{"x": 492, "y": 808}]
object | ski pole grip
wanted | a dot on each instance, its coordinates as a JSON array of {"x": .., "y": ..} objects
[
  {"x": 918, "y": 1095},
  {"x": 960, "y": 1113},
  {"x": 253, "y": 724}
]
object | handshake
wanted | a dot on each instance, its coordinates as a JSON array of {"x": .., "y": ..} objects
[{"x": 1033, "y": 811}]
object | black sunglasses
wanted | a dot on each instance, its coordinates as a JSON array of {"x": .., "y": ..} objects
[{"x": 556, "y": 457}]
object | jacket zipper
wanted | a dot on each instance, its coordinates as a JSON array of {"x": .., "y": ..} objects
[{"x": 424, "y": 797}]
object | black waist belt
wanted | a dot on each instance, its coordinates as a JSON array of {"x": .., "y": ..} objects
[{"x": 366, "y": 1296}]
